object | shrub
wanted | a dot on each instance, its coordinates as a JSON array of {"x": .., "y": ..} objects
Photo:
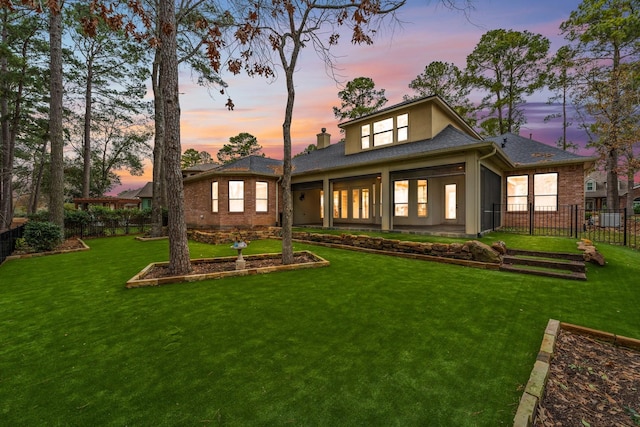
[
  {"x": 40, "y": 216},
  {"x": 42, "y": 236}
]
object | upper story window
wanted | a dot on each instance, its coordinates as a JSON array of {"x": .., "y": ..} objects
[
  {"x": 236, "y": 196},
  {"x": 385, "y": 132},
  {"x": 365, "y": 134},
  {"x": 591, "y": 186},
  {"x": 262, "y": 196},
  {"x": 402, "y": 124},
  {"x": 214, "y": 196},
  {"x": 517, "y": 193}
]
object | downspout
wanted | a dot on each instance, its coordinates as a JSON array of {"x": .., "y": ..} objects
[{"x": 486, "y": 156}]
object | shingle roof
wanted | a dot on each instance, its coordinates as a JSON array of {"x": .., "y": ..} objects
[
  {"x": 333, "y": 156},
  {"x": 525, "y": 151},
  {"x": 250, "y": 164}
]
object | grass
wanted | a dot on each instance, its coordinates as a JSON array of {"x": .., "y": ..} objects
[{"x": 370, "y": 340}]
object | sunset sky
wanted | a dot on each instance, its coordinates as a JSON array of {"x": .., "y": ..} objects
[{"x": 429, "y": 32}]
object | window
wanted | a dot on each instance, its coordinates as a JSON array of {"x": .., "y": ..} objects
[
  {"x": 591, "y": 186},
  {"x": 545, "y": 192},
  {"x": 365, "y": 203},
  {"x": 355, "y": 203},
  {"x": 383, "y": 132},
  {"x": 422, "y": 197},
  {"x": 262, "y": 199},
  {"x": 344, "y": 203},
  {"x": 402, "y": 123},
  {"x": 450, "y": 201},
  {"x": 365, "y": 132},
  {"x": 517, "y": 193},
  {"x": 340, "y": 204},
  {"x": 401, "y": 198},
  {"x": 321, "y": 204},
  {"x": 236, "y": 196},
  {"x": 214, "y": 196}
]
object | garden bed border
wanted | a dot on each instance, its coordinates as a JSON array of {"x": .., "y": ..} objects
[
  {"x": 534, "y": 390},
  {"x": 138, "y": 280}
]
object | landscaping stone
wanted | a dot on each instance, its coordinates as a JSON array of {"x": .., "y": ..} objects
[
  {"x": 483, "y": 252},
  {"x": 500, "y": 247},
  {"x": 590, "y": 253}
]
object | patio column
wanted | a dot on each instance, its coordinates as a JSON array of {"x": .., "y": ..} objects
[
  {"x": 386, "y": 222},
  {"x": 327, "y": 220},
  {"x": 473, "y": 193}
]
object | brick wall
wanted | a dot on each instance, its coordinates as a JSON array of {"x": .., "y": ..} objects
[
  {"x": 198, "y": 204},
  {"x": 570, "y": 192}
]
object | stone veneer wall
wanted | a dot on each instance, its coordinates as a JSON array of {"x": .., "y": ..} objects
[{"x": 472, "y": 251}]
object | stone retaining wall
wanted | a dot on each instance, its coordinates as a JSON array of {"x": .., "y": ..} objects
[{"x": 472, "y": 250}]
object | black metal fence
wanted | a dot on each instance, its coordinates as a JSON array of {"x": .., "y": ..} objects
[
  {"x": 106, "y": 227},
  {"x": 8, "y": 241},
  {"x": 613, "y": 226}
]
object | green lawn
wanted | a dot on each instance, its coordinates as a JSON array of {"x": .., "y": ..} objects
[{"x": 370, "y": 340}]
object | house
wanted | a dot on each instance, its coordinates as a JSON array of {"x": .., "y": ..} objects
[
  {"x": 595, "y": 187},
  {"x": 139, "y": 198},
  {"x": 414, "y": 166}
]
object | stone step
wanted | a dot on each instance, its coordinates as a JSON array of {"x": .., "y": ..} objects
[
  {"x": 548, "y": 264},
  {"x": 542, "y": 254},
  {"x": 570, "y": 275},
  {"x": 573, "y": 266}
]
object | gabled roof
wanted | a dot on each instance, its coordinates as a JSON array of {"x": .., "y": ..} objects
[
  {"x": 449, "y": 140},
  {"x": 146, "y": 191},
  {"x": 435, "y": 99},
  {"x": 250, "y": 165},
  {"x": 528, "y": 152}
]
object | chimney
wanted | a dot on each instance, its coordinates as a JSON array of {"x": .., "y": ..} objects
[{"x": 324, "y": 139}]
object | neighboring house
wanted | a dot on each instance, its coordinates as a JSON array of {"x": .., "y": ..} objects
[
  {"x": 131, "y": 199},
  {"x": 595, "y": 192},
  {"x": 413, "y": 166}
]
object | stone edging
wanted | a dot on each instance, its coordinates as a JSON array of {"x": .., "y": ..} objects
[
  {"x": 138, "y": 280},
  {"x": 38, "y": 254},
  {"x": 534, "y": 390}
]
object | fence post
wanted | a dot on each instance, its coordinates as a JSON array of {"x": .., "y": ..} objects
[
  {"x": 493, "y": 216},
  {"x": 624, "y": 239},
  {"x": 531, "y": 219}
]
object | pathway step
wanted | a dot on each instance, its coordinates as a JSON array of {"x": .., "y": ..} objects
[{"x": 548, "y": 264}]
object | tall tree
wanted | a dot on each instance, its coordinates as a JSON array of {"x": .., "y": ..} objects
[
  {"x": 605, "y": 36},
  {"x": 192, "y": 157},
  {"x": 179, "y": 259},
  {"x": 20, "y": 90},
  {"x": 507, "y": 65},
  {"x": 56, "y": 191},
  {"x": 561, "y": 80},
  {"x": 448, "y": 82},
  {"x": 285, "y": 27},
  {"x": 359, "y": 98},
  {"x": 106, "y": 70},
  {"x": 242, "y": 145},
  {"x": 198, "y": 41}
]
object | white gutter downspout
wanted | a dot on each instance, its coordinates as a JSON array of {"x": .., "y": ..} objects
[{"x": 486, "y": 156}]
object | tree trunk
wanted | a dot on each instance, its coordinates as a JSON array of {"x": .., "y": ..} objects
[
  {"x": 7, "y": 151},
  {"x": 611, "y": 166},
  {"x": 86, "y": 167},
  {"x": 56, "y": 195},
  {"x": 159, "y": 200},
  {"x": 287, "y": 200},
  {"x": 179, "y": 261}
]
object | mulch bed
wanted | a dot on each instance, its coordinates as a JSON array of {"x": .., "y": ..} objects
[
  {"x": 591, "y": 383},
  {"x": 217, "y": 265}
]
